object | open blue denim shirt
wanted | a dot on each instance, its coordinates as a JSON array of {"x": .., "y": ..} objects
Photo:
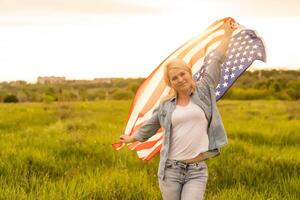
[{"x": 203, "y": 96}]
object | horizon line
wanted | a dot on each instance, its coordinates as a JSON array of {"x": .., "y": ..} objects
[{"x": 128, "y": 77}]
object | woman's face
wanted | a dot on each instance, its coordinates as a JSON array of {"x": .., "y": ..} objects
[{"x": 180, "y": 79}]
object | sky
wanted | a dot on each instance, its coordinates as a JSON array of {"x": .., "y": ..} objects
[{"x": 87, "y": 39}]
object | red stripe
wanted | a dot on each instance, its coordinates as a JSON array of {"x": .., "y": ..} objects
[
  {"x": 117, "y": 145},
  {"x": 147, "y": 144},
  {"x": 135, "y": 128},
  {"x": 140, "y": 91},
  {"x": 199, "y": 40},
  {"x": 201, "y": 53},
  {"x": 132, "y": 145},
  {"x": 156, "y": 150}
]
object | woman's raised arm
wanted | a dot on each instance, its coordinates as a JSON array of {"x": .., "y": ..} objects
[{"x": 214, "y": 68}]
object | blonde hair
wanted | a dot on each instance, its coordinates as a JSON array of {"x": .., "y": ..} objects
[{"x": 174, "y": 64}]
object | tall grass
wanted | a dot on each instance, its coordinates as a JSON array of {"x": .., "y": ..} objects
[{"x": 63, "y": 151}]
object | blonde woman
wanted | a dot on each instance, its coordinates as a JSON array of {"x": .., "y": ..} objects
[{"x": 193, "y": 129}]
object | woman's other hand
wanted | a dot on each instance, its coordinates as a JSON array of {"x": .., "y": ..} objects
[{"x": 126, "y": 139}]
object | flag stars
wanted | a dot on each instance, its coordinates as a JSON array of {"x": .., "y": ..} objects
[
  {"x": 225, "y": 84},
  {"x": 228, "y": 62},
  {"x": 230, "y": 56},
  {"x": 225, "y": 77},
  {"x": 242, "y": 60},
  {"x": 255, "y": 46},
  {"x": 247, "y": 36},
  {"x": 233, "y": 68},
  {"x": 241, "y": 67},
  {"x": 250, "y": 41},
  {"x": 232, "y": 75},
  {"x": 237, "y": 55},
  {"x": 240, "y": 48},
  {"x": 244, "y": 42},
  {"x": 259, "y": 54},
  {"x": 233, "y": 50},
  {"x": 217, "y": 93},
  {"x": 236, "y": 43},
  {"x": 244, "y": 53},
  {"x": 252, "y": 52},
  {"x": 235, "y": 61},
  {"x": 247, "y": 47},
  {"x": 239, "y": 38},
  {"x": 226, "y": 69},
  {"x": 218, "y": 86},
  {"x": 249, "y": 58}
]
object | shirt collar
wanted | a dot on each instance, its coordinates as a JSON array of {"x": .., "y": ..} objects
[{"x": 174, "y": 99}]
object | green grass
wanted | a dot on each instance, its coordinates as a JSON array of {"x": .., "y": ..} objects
[{"x": 63, "y": 151}]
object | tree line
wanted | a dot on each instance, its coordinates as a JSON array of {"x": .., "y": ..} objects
[{"x": 260, "y": 84}]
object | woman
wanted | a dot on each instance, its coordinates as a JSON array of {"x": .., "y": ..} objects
[{"x": 193, "y": 129}]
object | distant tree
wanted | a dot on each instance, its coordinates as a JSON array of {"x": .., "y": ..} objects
[
  {"x": 133, "y": 87},
  {"x": 22, "y": 96},
  {"x": 70, "y": 95},
  {"x": 293, "y": 93},
  {"x": 10, "y": 98},
  {"x": 122, "y": 94},
  {"x": 2, "y": 95},
  {"x": 276, "y": 87},
  {"x": 93, "y": 96},
  {"x": 120, "y": 83},
  {"x": 48, "y": 99},
  {"x": 50, "y": 91}
]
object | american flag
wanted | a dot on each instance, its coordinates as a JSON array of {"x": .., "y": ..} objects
[{"x": 245, "y": 47}]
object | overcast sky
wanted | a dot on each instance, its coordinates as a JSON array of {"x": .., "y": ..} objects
[{"x": 84, "y": 39}]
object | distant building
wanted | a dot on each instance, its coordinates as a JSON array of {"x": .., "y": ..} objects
[{"x": 50, "y": 79}]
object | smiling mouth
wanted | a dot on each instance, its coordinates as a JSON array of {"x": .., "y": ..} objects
[{"x": 183, "y": 84}]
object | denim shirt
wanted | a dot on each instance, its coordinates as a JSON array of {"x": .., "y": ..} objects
[{"x": 203, "y": 96}]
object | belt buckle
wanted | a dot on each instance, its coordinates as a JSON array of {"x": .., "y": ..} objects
[{"x": 182, "y": 164}]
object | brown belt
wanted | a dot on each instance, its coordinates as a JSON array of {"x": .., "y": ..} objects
[{"x": 198, "y": 158}]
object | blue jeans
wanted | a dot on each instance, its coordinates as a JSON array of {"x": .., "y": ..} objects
[{"x": 184, "y": 181}]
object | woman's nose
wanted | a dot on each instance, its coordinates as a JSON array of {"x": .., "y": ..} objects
[{"x": 180, "y": 79}]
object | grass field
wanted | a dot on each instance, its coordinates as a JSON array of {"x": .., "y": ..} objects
[{"x": 63, "y": 151}]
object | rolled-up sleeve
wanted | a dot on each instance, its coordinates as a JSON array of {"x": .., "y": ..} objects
[
  {"x": 213, "y": 70},
  {"x": 149, "y": 128}
]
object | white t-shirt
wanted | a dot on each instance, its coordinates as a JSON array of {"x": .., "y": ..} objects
[{"x": 189, "y": 134}]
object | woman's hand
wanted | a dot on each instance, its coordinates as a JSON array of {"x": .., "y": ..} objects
[
  {"x": 126, "y": 138},
  {"x": 229, "y": 27}
]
